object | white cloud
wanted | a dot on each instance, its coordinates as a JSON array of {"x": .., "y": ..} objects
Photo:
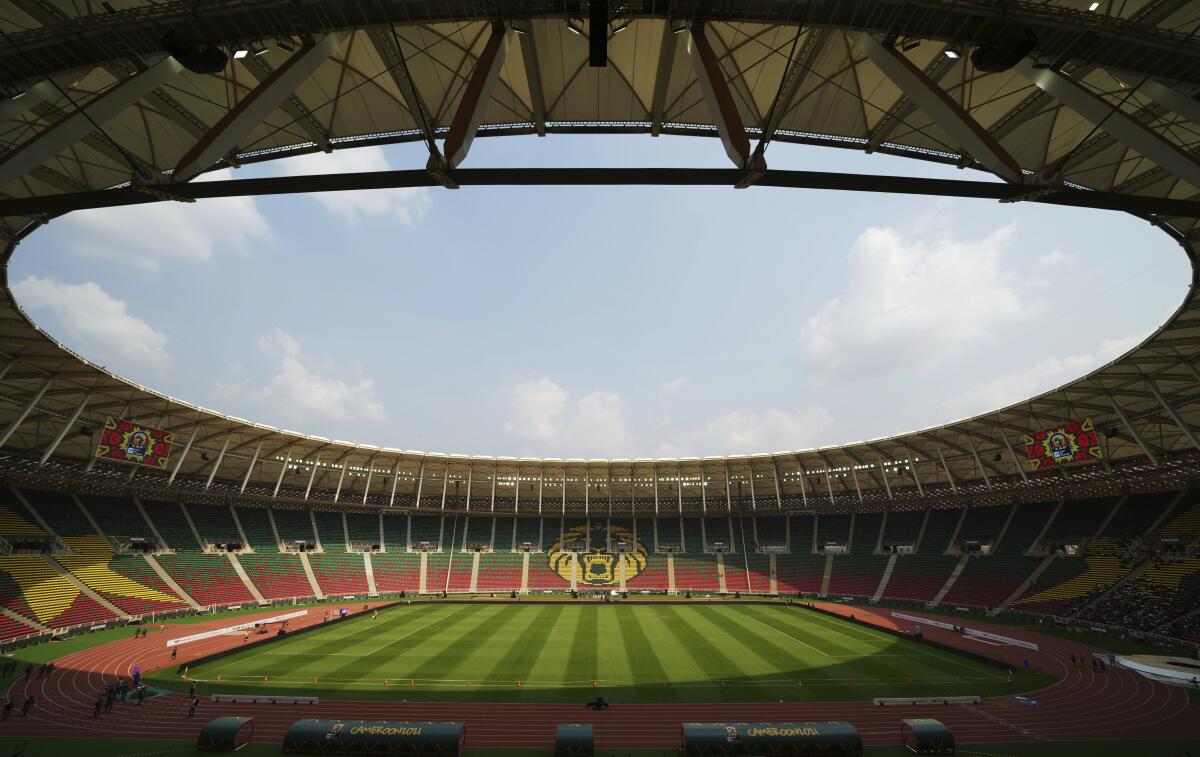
[
  {"x": 544, "y": 415},
  {"x": 145, "y": 236},
  {"x": 98, "y": 323},
  {"x": 537, "y": 409},
  {"x": 1054, "y": 259},
  {"x": 1043, "y": 376},
  {"x": 301, "y": 391},
  {"x": 674, "y": 385},
  {"x": 741, "y": 432},
  {"x": 911, "y": 302},
  {"x": 406, "y": 205}
]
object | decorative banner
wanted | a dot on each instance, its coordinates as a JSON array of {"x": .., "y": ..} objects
[
  {"x": 124, "y": 441},
  {"x": 1072, "y": 442}
]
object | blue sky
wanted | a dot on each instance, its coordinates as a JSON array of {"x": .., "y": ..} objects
[{"x": 600, "y": 322}]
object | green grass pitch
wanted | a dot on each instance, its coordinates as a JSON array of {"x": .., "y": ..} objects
[{"x": 629, "y": 653}]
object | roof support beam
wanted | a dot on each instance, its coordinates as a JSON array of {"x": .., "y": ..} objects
[
  {"x": 476, "y": 97},
  {"x": 533, "y": 75},
  {"x": 70, "y": 424},
  {"x": 300, "y": 114},
  {"x": 253, "y": 109},
  {"x": 28, "y": 100},
  {"x": 386, "y": 44},
  {"x": 78, "y": 125},
  {"x": 662, "y": 79},
  {"x": 220, "y": 458},
  {"x": 1172, "y": 99},
  {"x": 1123, "y": 127},
  {"x": 1133, "y": 432},
  {"x": 905, "y": 107},
  {"x": 183, "y": 455},
  {"x": 1175, "y": 416},
  {"x": 29, "y": 406},
  {"x": 793, "y": 80},
  {"x": 249, "y": 470},
  {"x": 711, "y": 78},
  {"x": 965, "y": 131}
]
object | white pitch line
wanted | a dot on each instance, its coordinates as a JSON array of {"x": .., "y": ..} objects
[
  {"x": 793, "y": 638},
  {"x": 883, "y": 636},
  {"x": 410, "y": 633}
]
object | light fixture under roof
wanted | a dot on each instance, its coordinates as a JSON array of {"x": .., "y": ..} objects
[
  {"x": 240, "y": 53},
  {"x": 952, "y": 53},
  {"x": 574, "y": 29},
  {"x": 1094, "y": 6},
  {"x": 618, "y": 28}
]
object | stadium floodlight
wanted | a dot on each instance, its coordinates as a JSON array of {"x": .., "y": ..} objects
[
  {"x": 240, "y": 53},
  {"x": 571, "y": 27},
  {"x": 1094, "y": 6},
  {"x": 620, "y": 27},
  {"x": 952, "y": 53}
]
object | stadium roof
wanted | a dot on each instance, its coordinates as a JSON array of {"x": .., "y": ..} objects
[{"x": 1103, "y": 99}]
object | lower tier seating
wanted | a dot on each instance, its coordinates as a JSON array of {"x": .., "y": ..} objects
[
  {"x": 11, "y": 629},
  {"x": 799, "y": 573},
  {"x": 277, "y": 576},
  {"x": 653, "y": 578},
  {"x": 128, "y": 582},
  {"x": 696, "y": 572},
  {"x": 31, "y": 587},
  {"x": 1066, "y": 581},
  {"x": 919, "y": 577},
  {"x": 988, "y": 580},
  {"x": 397, "y": 571},
  {"x": 499, "y": 571},
  {"x": 856, "y": 575},
  {"x": 208, "y": 579},
  {"x": 339, "y": 572},
  {"x": 459, "y": 570}
]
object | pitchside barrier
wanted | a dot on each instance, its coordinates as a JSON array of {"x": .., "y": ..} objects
[
  {"x": 373, "y": 737},
  {"x": 235, "y": 628},
  {"x": 968, "y": 631},
  {"x": 730, "y": 739},
  {"x": 918, "y": 639}
]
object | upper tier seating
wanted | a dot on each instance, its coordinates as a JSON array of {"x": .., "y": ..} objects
[
  {"x": 215, "y": 524},
  {"x": 117, "y": 517},
  {"x": 395, "y": 533},
  {"x": 257, "y": 524},
  {"x": 58, "y": 509},
  {"x": 529, "y": 530},
  {"x": 771, "y": 530},
  {"x": 15, "y": 520},
  {"x": 339, "y": 573},
  {"x": 801, "y": 529},
  {"x": 427, "y": 528},
  {"x": 1078, "y": 520},
  {"x": 669, "y": 533},
  {"x": 293, "y": 525},
  {"x": 330, "y": 531},
  {"x": 903, "y": 526},
  {"x": 171, "y": 525},
  {"x": 208, "y": 579},
  {"x": 127, "y": 582},
  {"x": 277, "y": 576},
  {"x": 500, "y": 571},
  {"x": 833, "y": 529},
  {"x": 716, "y": 530},
  {"x": 363, "y": 528},
  {"x": 1137, "y": 513},
  {"x": 396, "y": 571}
]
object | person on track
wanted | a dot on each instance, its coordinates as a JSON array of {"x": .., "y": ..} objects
[
  {"x": 8, "y": 708},
  {"x": 192, "y": 709},
  {"x": 96, "y": 709},
  {"x": 27, "y": 705}
]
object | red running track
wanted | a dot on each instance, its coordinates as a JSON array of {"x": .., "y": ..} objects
[{"x": 1116, "y": 704}]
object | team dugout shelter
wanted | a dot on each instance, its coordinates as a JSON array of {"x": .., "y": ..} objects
[
  {"x": 926, "y": 736},
  {"x": 730, "y": 739},
  {"x": 312, "y": 736}
]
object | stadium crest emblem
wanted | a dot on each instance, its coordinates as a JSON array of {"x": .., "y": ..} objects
[{"x": 598, "y": 566}]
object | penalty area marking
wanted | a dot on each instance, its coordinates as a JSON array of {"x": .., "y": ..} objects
[{"x": 788, "y": 635}]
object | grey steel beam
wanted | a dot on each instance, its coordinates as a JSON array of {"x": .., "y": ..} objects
[
  {"x": 301, "y": 115},
  {"x": 76, "y": 126},
  {"x": 476, "y": 97},
  {"x": 70, "y": 424},
  {"x": 710, "y": 77},
  {"x": 533, "y": 77},
  {"x": 43, "y": 91},
  {"x": 1128, "y": 130},
  {"x": 964, "y": 131},
  {"x": 1185, "y": 105},
  {"x": 905, "y": 106},
  {"x": 21, "y": 416},
  {"x": 662, "y": 79},
  {"x": 386, "y": 44},
  {"x": 253, "y": 109},
  {"x": 793, "y": 80}
]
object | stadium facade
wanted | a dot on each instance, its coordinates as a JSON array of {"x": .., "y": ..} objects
[{"x": 1064, "y": 98}]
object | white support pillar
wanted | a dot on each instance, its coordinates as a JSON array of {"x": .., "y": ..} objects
[
  {"x": 829, "y": 483},
  {"x": 654, "y": 470},
  {"x": 470, "y": 479},
  {"x": 541, "y": 484},
  {"x": 728, "y": 489},
  {"x": 495, "y": 467},
  {"x": 964, "y": 131},
  {"x": 753, "y": 499},
  {"x": 1133, "y": 432},
  {"x": 79, "y": 124},
  {"x": 282, "y": 470},
  {"x": 253, "y": 109},
  {"x": 1012, "y": 453},
  {"x": 337, "y": 493},
  {"x": 445, "y": 483},
  {"x": 803, "y": 488},
  {"x": 679, "y": 486},
  {"x": 517, "y": 494},
  {"x": 395, "y": 480},
  {"x": 703, "y": 491},
  {"x": 25, "y": 411},
  {"x": 946, "y": 468},
  {"x": 778, "y": 494},
  {"x": 312, "y": 474},
  {"x": 420, "y": 483},
  {"x": 367, "y": 486},
  {"x": 1114, "y": 121},
  {"x": 883, "y": 473},
  {"x": 854, "y": 475},
  {"x": 183, "y": 455},
  {"x": 476, "y": 97},
  {"x": 979, "y": 463},
  {"x": 1175, "y": 416},
  {"x": 217, "y": 464},
  {"x": 916, "y": 476},
  {"x": 587, "y": 486},
  {"x": 253, "y": 460},
  {"x": 70, "y": 424}
]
